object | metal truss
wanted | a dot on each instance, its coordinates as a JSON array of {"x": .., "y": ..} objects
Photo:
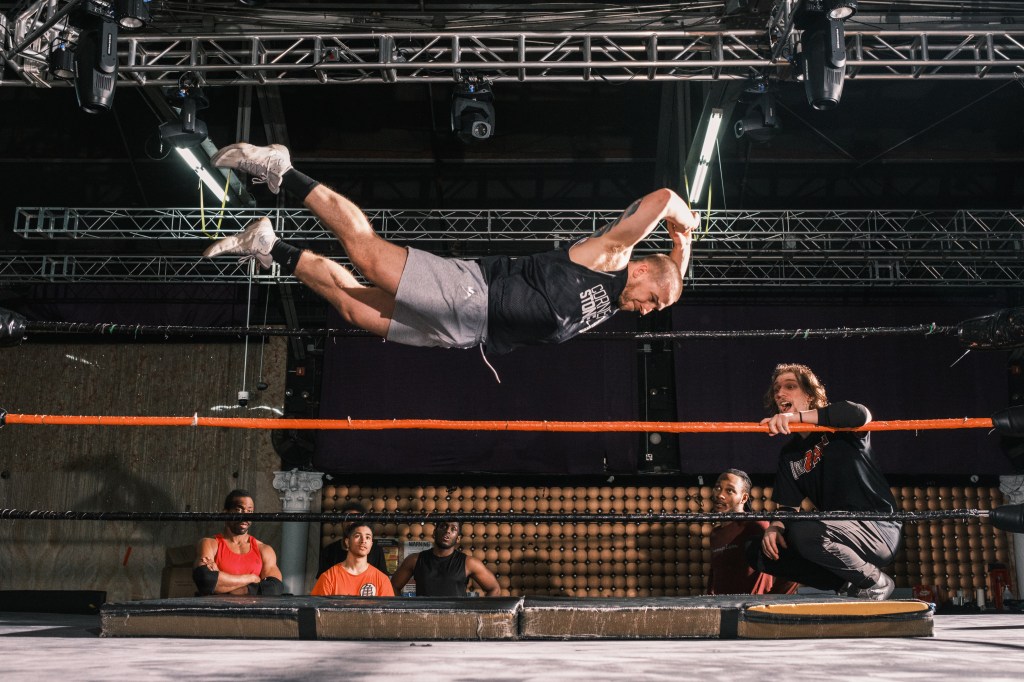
[
  {"x": 352, "y": 58},
  {"x": 733, "y": 249}
]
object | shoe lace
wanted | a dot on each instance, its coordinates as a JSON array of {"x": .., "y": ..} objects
[{"x": 256, "y": 170}]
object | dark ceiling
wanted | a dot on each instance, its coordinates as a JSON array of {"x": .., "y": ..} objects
[{"x": 900, "y": 143}]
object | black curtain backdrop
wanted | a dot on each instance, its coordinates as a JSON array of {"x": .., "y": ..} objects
[
  {"x": 201, "y": 305},
  {"x": 910, "y": 377},
  {"x": 583, "y": 380}
]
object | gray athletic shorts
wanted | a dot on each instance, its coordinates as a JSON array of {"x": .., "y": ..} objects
[{"x": 440, "y": 302}]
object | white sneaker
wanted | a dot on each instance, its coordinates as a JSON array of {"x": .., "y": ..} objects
[
  {"x": 880, "y": 591},
  {"x": 264, "y": 164},
  {"x": 255, "y": 241}
]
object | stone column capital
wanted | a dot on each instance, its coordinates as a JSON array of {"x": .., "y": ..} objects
[
  {"x": 1012, "y": 488},
  {"x": 297, "y": 488}
]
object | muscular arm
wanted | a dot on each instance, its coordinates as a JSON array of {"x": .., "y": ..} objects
[
  {"x": 483, "y": 577},
  {"x": 404, "y": 573},
  {"x": 270, "y": 567},
  {"x": 610, "y": 248},
  {"x": 206, "y": 552},
  {"x": 681, "y": 242}
]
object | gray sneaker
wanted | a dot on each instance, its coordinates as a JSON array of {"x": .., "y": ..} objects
[
  {"x": 880, "y": 591},
  {"x": 264, "y": 164},
  {"x": 255, "y": 241}
]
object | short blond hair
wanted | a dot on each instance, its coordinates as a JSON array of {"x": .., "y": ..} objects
[{"x": 664, "y": 271}]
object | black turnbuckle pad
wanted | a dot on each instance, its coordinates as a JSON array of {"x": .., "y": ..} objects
[{"x": 1008, "y": 517}]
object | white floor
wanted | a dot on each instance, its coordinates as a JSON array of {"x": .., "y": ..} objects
[{"x": 988, "y": 647}]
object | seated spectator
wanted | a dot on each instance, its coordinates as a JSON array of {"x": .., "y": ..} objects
[
  {"x": 730, "y": 572},
  {"x": 443, "y": 570},
  {"x": 335, "y": 552},
  {"x": 354, "y": 576},
  {"x": 234, "y": 562}
]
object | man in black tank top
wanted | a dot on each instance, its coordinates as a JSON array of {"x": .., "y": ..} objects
[
  {"x": 444, "y": 571},
  {"x": 501, "y": 302}
]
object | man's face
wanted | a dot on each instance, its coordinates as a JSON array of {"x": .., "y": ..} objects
[
  {"x": 446, "y": 535},
  {"x": 360, "y": 541},
  {"x": 240, "y": 505},
  {"x": 789, "y": 396},
  {"x": 643, "y": 293},
  {"x": 729, "y": 493}
]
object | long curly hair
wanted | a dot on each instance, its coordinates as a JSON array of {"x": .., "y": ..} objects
[{"x": 809, "y": 384}]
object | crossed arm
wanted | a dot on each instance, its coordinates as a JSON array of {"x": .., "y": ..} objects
[{"x": 229, "y": 583}]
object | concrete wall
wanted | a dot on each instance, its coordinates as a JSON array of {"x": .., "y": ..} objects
[{"x": 93, "y": 468}]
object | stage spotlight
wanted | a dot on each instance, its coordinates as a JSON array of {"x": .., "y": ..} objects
[
  {"x": 188, "y": 131},
  {"x": 823, "y": 53},
  {"x": 96, "y": 66},
  {"x": 132, "y": 14},
  {"x": 473, "y": 110},
  {"x": 841, "y": 9},
  {"x": 62, "y": 60},
  {"x": 760, "y": 122}
]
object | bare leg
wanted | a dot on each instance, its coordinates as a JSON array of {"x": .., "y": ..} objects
[
  {"x": 377, "y": 259},
  {"x": 368, "y": 308}
]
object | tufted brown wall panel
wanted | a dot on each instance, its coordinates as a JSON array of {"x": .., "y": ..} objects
[{"x": 645, "y": 559}]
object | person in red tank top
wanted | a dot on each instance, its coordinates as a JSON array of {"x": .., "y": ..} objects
[{"x": 234, "y": 562}]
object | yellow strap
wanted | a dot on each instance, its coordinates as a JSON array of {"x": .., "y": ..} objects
[{"x": 223, "y": 205}]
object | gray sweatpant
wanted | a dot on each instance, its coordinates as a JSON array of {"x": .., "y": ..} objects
[{"x": 827, "y": 554}]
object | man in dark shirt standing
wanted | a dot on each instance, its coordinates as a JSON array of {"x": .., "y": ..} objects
[
  {"x": 420, "y": 299},
  {"x": 443, "y": 570}
]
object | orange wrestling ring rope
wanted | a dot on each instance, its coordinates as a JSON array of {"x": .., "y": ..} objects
[{"x": 477, "y": 425}]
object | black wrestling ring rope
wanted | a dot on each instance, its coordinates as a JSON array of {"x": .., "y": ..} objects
[
  {"x": 497, "y": 517},
  {"x": 1000, "y": 330},
  {"x": 135, "y": 330}
]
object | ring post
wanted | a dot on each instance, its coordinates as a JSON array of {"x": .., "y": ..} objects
[{"x": 296, "y": 490}]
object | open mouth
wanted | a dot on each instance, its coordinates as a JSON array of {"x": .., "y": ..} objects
[{"x": 785, "y": 406}]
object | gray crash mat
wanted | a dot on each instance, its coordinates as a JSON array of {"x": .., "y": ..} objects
[
  {"x": 438, "y": 618},
  {"x": 722, "y": 617},
  {"x": 232, "y": 617},
  {"x": 629, "y": 618},
  {"x": 377, "y": 618},
  {"x": 897, "y": 618}
]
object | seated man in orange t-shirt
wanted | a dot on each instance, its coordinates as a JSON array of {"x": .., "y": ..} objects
[
  {"x": 234, "y": 562},
  {"x": 354, "y": 576}
]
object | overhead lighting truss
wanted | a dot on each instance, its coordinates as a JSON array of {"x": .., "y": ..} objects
[
  {"x": 911, "y": 249},
  {"x": 316, "y": 59}
]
